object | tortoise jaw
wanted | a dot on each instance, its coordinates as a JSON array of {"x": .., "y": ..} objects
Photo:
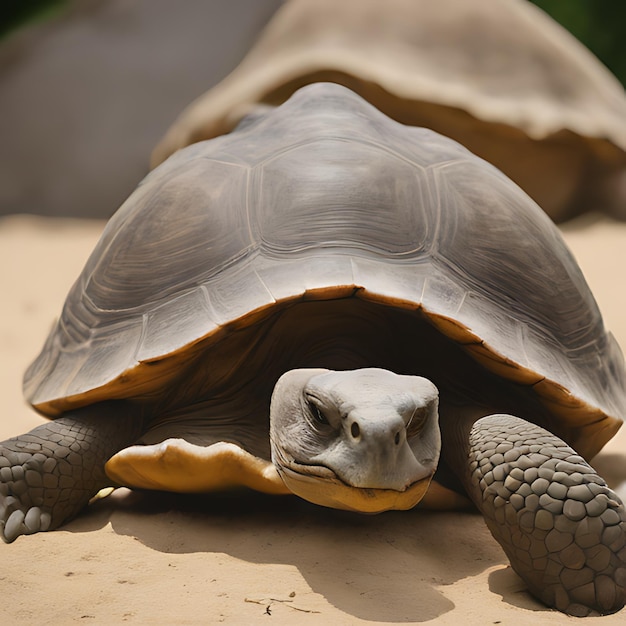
[{"x": 321, "y": 485}]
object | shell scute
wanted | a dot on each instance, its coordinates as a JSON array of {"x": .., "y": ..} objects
[
  {"x": 181, "y": 320},
  {"x": 307, "y": 195}
]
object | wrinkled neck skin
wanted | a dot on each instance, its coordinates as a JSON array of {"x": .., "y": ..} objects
[{"x": 456, "y": 420}]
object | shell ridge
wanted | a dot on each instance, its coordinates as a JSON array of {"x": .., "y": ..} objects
[
  {"x": 142, "y": 338},
  {"x": 252, "y": 186},
  {"x": 265, "y": 285}
]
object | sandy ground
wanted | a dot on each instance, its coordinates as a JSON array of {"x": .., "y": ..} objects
[{"x": 137, "y": 559}]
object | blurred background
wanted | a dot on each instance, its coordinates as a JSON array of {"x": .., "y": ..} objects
[
  {"x": 599, "y": 24},
  {"x": 87, "y": 87}
]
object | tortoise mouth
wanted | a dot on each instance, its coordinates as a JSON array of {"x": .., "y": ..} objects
[{"x": 321, "y": 485}]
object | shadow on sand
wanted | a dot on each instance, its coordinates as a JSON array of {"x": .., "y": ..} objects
[{"x": 386, "y": 568}]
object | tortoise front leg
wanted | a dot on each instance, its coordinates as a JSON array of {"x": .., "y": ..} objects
[
  {"x": 562, "y": 528},
  {"x": 49, "y": 474}
]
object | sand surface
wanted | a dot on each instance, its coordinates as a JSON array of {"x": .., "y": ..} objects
[{"x": 151, "y": 560}]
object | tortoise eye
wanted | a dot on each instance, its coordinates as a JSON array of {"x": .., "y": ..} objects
[{"x": 319, "y": 417}]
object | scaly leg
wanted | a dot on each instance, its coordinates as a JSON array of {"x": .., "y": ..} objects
[
  {"x": 49, "y": 474},
  {"x": 562, "y": 528}
]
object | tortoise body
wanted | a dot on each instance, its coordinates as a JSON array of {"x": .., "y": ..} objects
[
  {"x": 346, "y": 256},
  {"x": 327, "y": 198}
]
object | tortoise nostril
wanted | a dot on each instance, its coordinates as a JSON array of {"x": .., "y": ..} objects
[
  {"x": 396, "y": 439},
  {"x": 355, "y": 430}
]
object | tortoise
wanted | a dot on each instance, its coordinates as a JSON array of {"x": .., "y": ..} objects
[
  {"x": 330, "y": 304},
  {"x": 502, "y": 78}
]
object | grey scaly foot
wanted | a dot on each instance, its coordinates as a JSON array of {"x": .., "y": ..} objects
[
  {"x": 49, "y": 474},
  {"x": 562, "y": 528}
]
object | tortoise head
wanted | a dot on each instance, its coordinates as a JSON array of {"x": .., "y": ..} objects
[{"x": 364, "y": 440}]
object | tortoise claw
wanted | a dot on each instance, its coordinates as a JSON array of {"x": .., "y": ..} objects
[
  {"x": 19, "y": 515},
  {"x": 16, "y": 519},
  {"x": 19, "y": 522},
  {"x": 14, "y": 526}
]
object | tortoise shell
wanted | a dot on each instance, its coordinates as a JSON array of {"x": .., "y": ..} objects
[
  {"x": 501, "y": 78},
  {"x": 326, "y": 198}
]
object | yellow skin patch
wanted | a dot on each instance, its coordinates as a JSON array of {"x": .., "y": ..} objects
[
  {"x": 179, "y": 466},
  {"x": 333, "y": 493}
]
